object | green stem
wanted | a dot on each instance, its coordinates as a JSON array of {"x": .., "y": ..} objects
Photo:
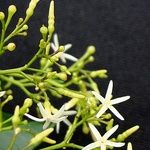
[
  {"x": 1, "y": 117},
  {"x": 12, "y": 142}
]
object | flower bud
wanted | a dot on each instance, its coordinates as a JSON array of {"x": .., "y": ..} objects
[
  {"x": 25, "y": 27},
  {"x": 127, "y": 133},
  {"x": 28, "y": 102},
  {"x": 43, "y": 30},
  {"x": 16, "y": 119},
  {"x": 2, "y": 16},
  {"x": 91, "y": 50},
  {"x": 40, "y": 136},
  {"x": 85, "y": 128},
  {"x": 110, "y": 124},
  {"x": 17, "y": 130},
  {"x": 11, "y": 10},
  {"x": 62, "y": 76},
  {"x": 49, "y": 141},
  {"x": 51, "y": 18},
  {"x": 61, "y": 48},
  {"x": 11, "y": 46},
  {"x": 71, "y": 103}
]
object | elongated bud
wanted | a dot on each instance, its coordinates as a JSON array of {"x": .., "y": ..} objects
[
  {"x": 2, "y": 16},
  {"x": 27, "y": 103},
  {"x": 63, "y": 68},
  {"x": 127, "y": 133},
  {"x": 30, "y": 9},
  {"x": 11, "y": 46},
  {"x": 91, "y": 50},
  {"x": 49, "y": 141},
  {"x": 110, "y": 124},
  {"x": 71, "y": 103},
  {"x": 16, "y": 119},
  {"x": 11, "y": 10},
  {"x": 85, "y": 128},
  {"x": 99, "y": 73},
  {"x": 39, "y": 137},
  {"x": 51, "y": 18},
  {"x": 25, "y": 27},
  {"x": 70, "y": 93},
  {"x": 9, "y": 98}
]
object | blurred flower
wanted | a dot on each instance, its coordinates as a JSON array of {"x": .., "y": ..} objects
[
  {"x": 47, "y": 117},
  {"x": 64, "y": 56},
  {"x": 107, "y": 103},
  {"x": 2, "y": 93},
  {"x": 102, "y": 141}
]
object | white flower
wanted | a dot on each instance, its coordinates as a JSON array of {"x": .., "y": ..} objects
[
  {"x": 57, "y": 117},
  {"x": 107, "y": 103},
  {"x": 2, "y": 93},
  {"x": 64, "y": 56},
  {"x": 102, "y": 141}
]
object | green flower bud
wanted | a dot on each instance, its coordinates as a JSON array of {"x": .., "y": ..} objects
[
  {"x": 61, "y": 48},
  {"x": 91, "y": 50},
  {"x": 2, "y": 16},
  {"x": 42, "y": 44},
  {"x": 110, "y": 124},
  {"x": 17, "y": 130},
  {"x": 127, "y": 133},
  {"x": 43, "y": 30},
  {"x": 70, "y": 93},
  {"x": 11, "y": 10},
  {"x": 11, "y": 46},
  {"x": 16, "y": 119},
  {"x": 49, "y": 141},
  {"x": 25, "y": 27},
  {"x": 63, "y": 68},
  {"x": 62, "y": 76},
  {"x": 40, "y": 136},
  {"x": 85, "y": 128},
  {"x": 28, "y": 102}
]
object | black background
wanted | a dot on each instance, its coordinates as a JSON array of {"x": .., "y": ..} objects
[{"x": 120, "y": 30}]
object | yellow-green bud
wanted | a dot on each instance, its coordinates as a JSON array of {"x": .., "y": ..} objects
[
  {"x": 43, "y": 30},
  {"x": 49, "y": 141},
  {"x": 17, "y": 130},
  {"x": 11, "y": 46},
  {"x": 42, "y": 44},
  {"x": 16, "y": 119},
  {"x": 25, "y": 27},
  {"x": 51, "y": 18},
  {"x": 85, "y": 128},
  {"x": 91, "y": 50},
  {"x": 61, "y": 48},
  {"x": 127, "y": 133},
  {"x": 2, "y": 15},
  {"x": 20, "y": 21},
  {"x": 28, "y": 102},
  {"x": 70, "y": 93},
  {"x": 64, "y": 69},
  {"x": 91, "y": 59},
  {"x": 39, "y": 137},
  {"x": 41, "y": 85},
  {"x": 11, "y": 10},
  {"x": 62, "y": 76},
  {"x": 107, "y": 116},
  {"x": 71, "y": 103},
  {"x": 101, "y": 73},
  {"x": 110, "y": 124}
]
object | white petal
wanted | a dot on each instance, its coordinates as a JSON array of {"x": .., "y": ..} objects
[
  {"x": 103, "y": 147},
  {"x": 92, "y": 146},
  {"x": 68, "y": 113},
  {"x": 57, "y": 127},
  {"x": 68, "y": 46},
  {"x": 46, "y": 124},
  {"x": 115, "y": 144},
  {"x": 60, "y": 112},
  {"x": 56, "y": 120},
  {"x": 70, "y": 57},
  {"x": 116, "y": 112},
  {"x": 62, "y": 58},
  {"x": 119, "y": 100},
  {"x": 97, "y": 136},
  {"x": 67, "y": 122},
  {"x": 109, "y": 90},
  {"x": 42, "y": 110},
  {"x": 34, "y": 118},
  {"x": 110, "y": 132},
  {"x": 54, "y": 47},
  {"x": 129, "y": 147},
  {"x": 98, "y": 96},
  {"x": 56, "y": 42},
  {"x": 101, "y": 111},
  {"x": 2, "y": 93}
]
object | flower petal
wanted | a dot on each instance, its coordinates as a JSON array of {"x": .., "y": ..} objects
[
  {"x": 109, "y": 90},
  {"x": 115, "y": 144},
  {"x": 67, "y": 122},
  {"x": 2, "y": 93},
  {"x": 46, "y": 124},
  {"x": 42, "y": 110},
  {"x": 110, "y": 132},
  {"x": 92, "y": 146},
  {"x": 119, "y": 100},
  {"x": 95, "y": 133},
  {"x": 67, "y": 46},
  {"x": 68, "y": 113},
  {"x": 129, "y": 147},
  {"x": 70, "y": 57},
  {"x": 55, "y": 38},
  {"x": 57, "y": 127},
  {"x": 34, "y": 118},
  {"x": 54, "y": 47},
  {"x": 101, "y": 111},
  {"x": 116, "y": 113},
  {"x": 60, "y": 112},
  {"x": 103, "y": 146},
  {"x": 98, "y": 96}
]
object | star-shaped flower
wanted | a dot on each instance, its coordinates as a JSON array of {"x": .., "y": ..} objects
[
  {"x": 102, "y": 141},
  {"x": 64, "y": 56},
  {"x": 107, "y": 103},
  {"x": 48, "y": 117},
  {"x": 2, "y": 93}
]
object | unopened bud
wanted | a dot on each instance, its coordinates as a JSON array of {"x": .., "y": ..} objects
[
  {"x": 16, "y": 119},
  {"x": 71, "y": 103},
  {"x": 43, "y": 30},
  {"x": 11, "y": 46},
  {"x": 2, "y": 15},
  {"x": 91, "y": 50},
  {"x": 62, "y": 76},
  {"x": 25, "y": 27},
  {"x": 110, "y": 124},
  {"x": 28, "y": 102},
  {"x": 11, "y": 10}
]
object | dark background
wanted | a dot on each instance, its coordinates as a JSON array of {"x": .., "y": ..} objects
[{"x": 120, "y": 30}]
